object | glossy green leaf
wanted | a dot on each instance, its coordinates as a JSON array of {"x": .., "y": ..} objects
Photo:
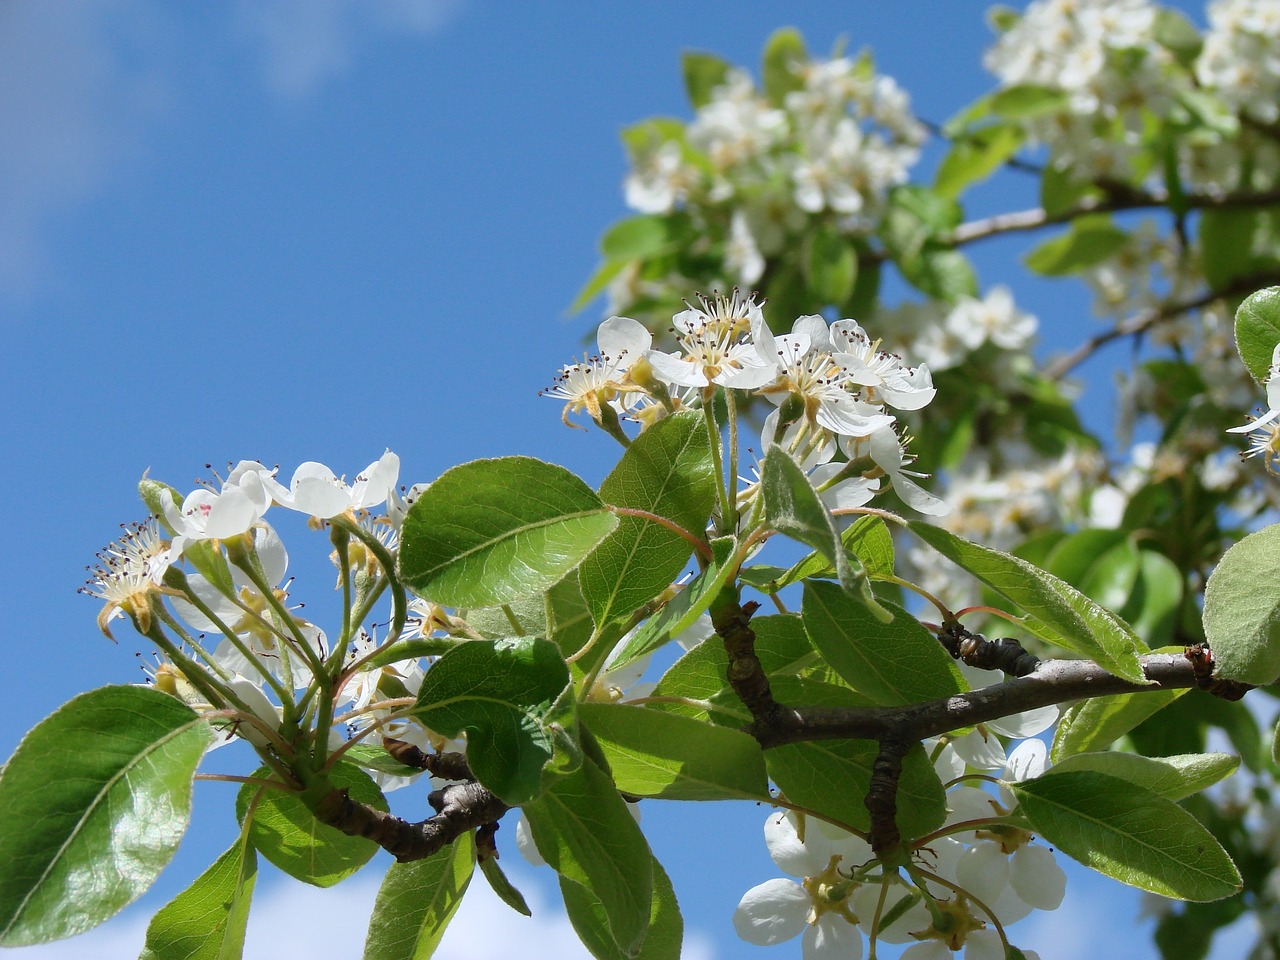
[
  {"x": 1129, "y": 834},
  {"x": 492, "y": 531},
  {"x": 663, "y": 939},
  {"x": 657, "y": 754},
  {"x": 892, "y": 663},
  {"x": 1088, "y": 242},
  {"x": 504, "y": 888},
  {"x": 1242, "y": 609},
  {"x": 1152, "y": 610},
  {"x": 582, "y": 828},
  {"x": 285, "y": 832},
  {"x": 207, "y": 921},
  {"x": 784, "y": 54},
  {"x": 703, "y": 72},
  {"x": 560, "y": 614},
  {"x": 680, "y": 613},
  {"x": 370, "y": 757},
  {"x": 832, "y": 777},
  {"x": 830, "y": 265},
  {"x": 1174, "y": 778},
  {"x": 94, "y": 801},
  {"x": 416, "y": 902},
  {"x": 665, "y": 471},
  {"x": 1097, "y": 723},
  {"x": 1258, "y": 330},
  {"x": 1058, "y": 612},
  {"x": 976, "y": 155},
  {"x": 508, "y": 696}
]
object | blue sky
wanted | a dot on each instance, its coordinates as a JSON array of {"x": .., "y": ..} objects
[{"x": 292, "y": 230}]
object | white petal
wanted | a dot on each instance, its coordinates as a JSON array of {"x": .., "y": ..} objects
[
  {"x": 919, "y": 499},
  {"x": 1262, "y": 421},
  {"x": 271, "y": 553},
  {"x": 376, "y": 481},
  {"x": 319, "y": 497},
  {"x": 1027, "y": 761},
  {"x": 983, "y": 945},
  {"x": 798, "y": 859},
  {"x": 929, "y": 950},
  {"x": 831, "y": 938},
  {"x": 1036, "y": 877},
  {"x": 915, "y": 918},
  {"x": 984, "y": 870},
  {"x": 525, "y": 844},
  {"x": 622, "y": 337},
  {"x": 673, "y": 368},
  {"x": 985, "y": 753},
  {"x": 231, "y": 514},
  {"x": 1028, "y": 724},
  {"x": 772, "y": 912}
]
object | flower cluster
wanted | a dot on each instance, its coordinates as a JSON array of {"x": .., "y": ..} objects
[
  {"x": 1264, "y": 439},
  {"x": 978, "y": 875},
  {"x": 836, "y": 386}
]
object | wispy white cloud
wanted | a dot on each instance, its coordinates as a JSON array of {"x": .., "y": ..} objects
[
  {"x": 304, "y": 43},
  {"x": 291, "y": 919},
  {"x": 78, "y": 87}
]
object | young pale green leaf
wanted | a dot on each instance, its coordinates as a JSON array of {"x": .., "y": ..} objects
[
  {"x": 976, "y": 155},
  {"x": 285, "y": 832},
  {"x": 657, "y": 754},
  {"x": 492, "y": 531},
  {"x": 1088, "y": 242},
  {"x": 1097, "y": 723},
  {"x": 784, "y": 54},
  {"x": 1061, "y": 192},
  {"x": 892, "y": 663},
  {"x": 680, "y": 613},
  {"x": 665, "y": 471},
  {"x": 1258, "y": 330},
  {"x": 1128, "y": 833},
  {"x": 403, "y": 650},
  {"x": 941, "y": 272},
  {"x": 94, "y": 801},
  {"x": 508, "y": 696},
  {"x": 1058, "y": 611},
  {"x": 207, "y": 921},
  {"x": 832, "y": 777},
  {"x": 867, "y": 538},
  {"x": 416, "y": 902},
  {"x": 792, "y": 507},
  {"x": 703, "y": 72},
  {"x": 1026, "y": 101},
  {"x": 504, "y": 888},
  {"x": 1242, "y": 609},
  {"x": 582, "y": 828},
  {"x": 666, "y": 927},
  {"x": 1172, "y": 777},
  {"x": 635, "y": 238}
]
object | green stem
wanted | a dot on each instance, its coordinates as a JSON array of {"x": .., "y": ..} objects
[{"x": 717, "y": 464}]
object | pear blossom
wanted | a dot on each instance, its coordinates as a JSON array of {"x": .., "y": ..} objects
[
  {"x": 1266, "y": 442},
  {"x": 886, "y": 450},
  {"x": 599, "y": 379},
  {"x": 316, "y": 491},
  {"x": 128, "y": 571},
  {"x": 206, "y": 514},
  {"x": 716, "y": 346},
  {"x": 813, "y": 449},
  {"x": 883, "y": 377},
  {"x": 994, "y": 318}
]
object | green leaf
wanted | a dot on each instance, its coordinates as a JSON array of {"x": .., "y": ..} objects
[
  {"x": 1173, "y": 31},
  {"x": 369, "y": 757},
  {"x": 492, "y": 531},
  {"x": 504, "y": 888},
  {"x": 1275, "y": 745},
  {"x": 867, "y": 538},
  {"x": 663, "y": 939},
  {"x": 832, "y": 777},
  {"x": 1242, "y": 609},
  {"x": 892, "y": 663},
  {"x": 416, "y": 902},
  {"x": 680, "y": 613},
  {"x": 656, "y": 754},
  {"x": 1061, "y": 192},
  {"x": 1129, "y": 834},
  {"x": 1058, "y": 612},
  {"x": 977, "y": 155},
  {"x": 597, "y": 283},
  {"x": 1026, "y": 101},
  {"x": 665, "y": 471},
  {"x": 1258, "y": 330},
  {"x": 1097, "y": 723},
  {"x": 403, "y": 650},
  {"x": 94, "y": 801},
  {"x": 830, "y": 265},
  {"x": 1088, "y": 242},
  {"x": 1174, "y": 778},
  {"x": 1237, "y": 243},
  {"x": 560, "y": 614},
  {"x": 509, "y": 698},
  {"x": 207, "y": 921},
  {"x": 942, "y": 273},
  {"x": 784, "y": 51},
  {"x": 636, "y": 238},
  {"x": 703, "y": 72},
  {"x": 582, "y": 828},
  {"x": 792, "y": 507},
  {"x": 285, "y": 831}
]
